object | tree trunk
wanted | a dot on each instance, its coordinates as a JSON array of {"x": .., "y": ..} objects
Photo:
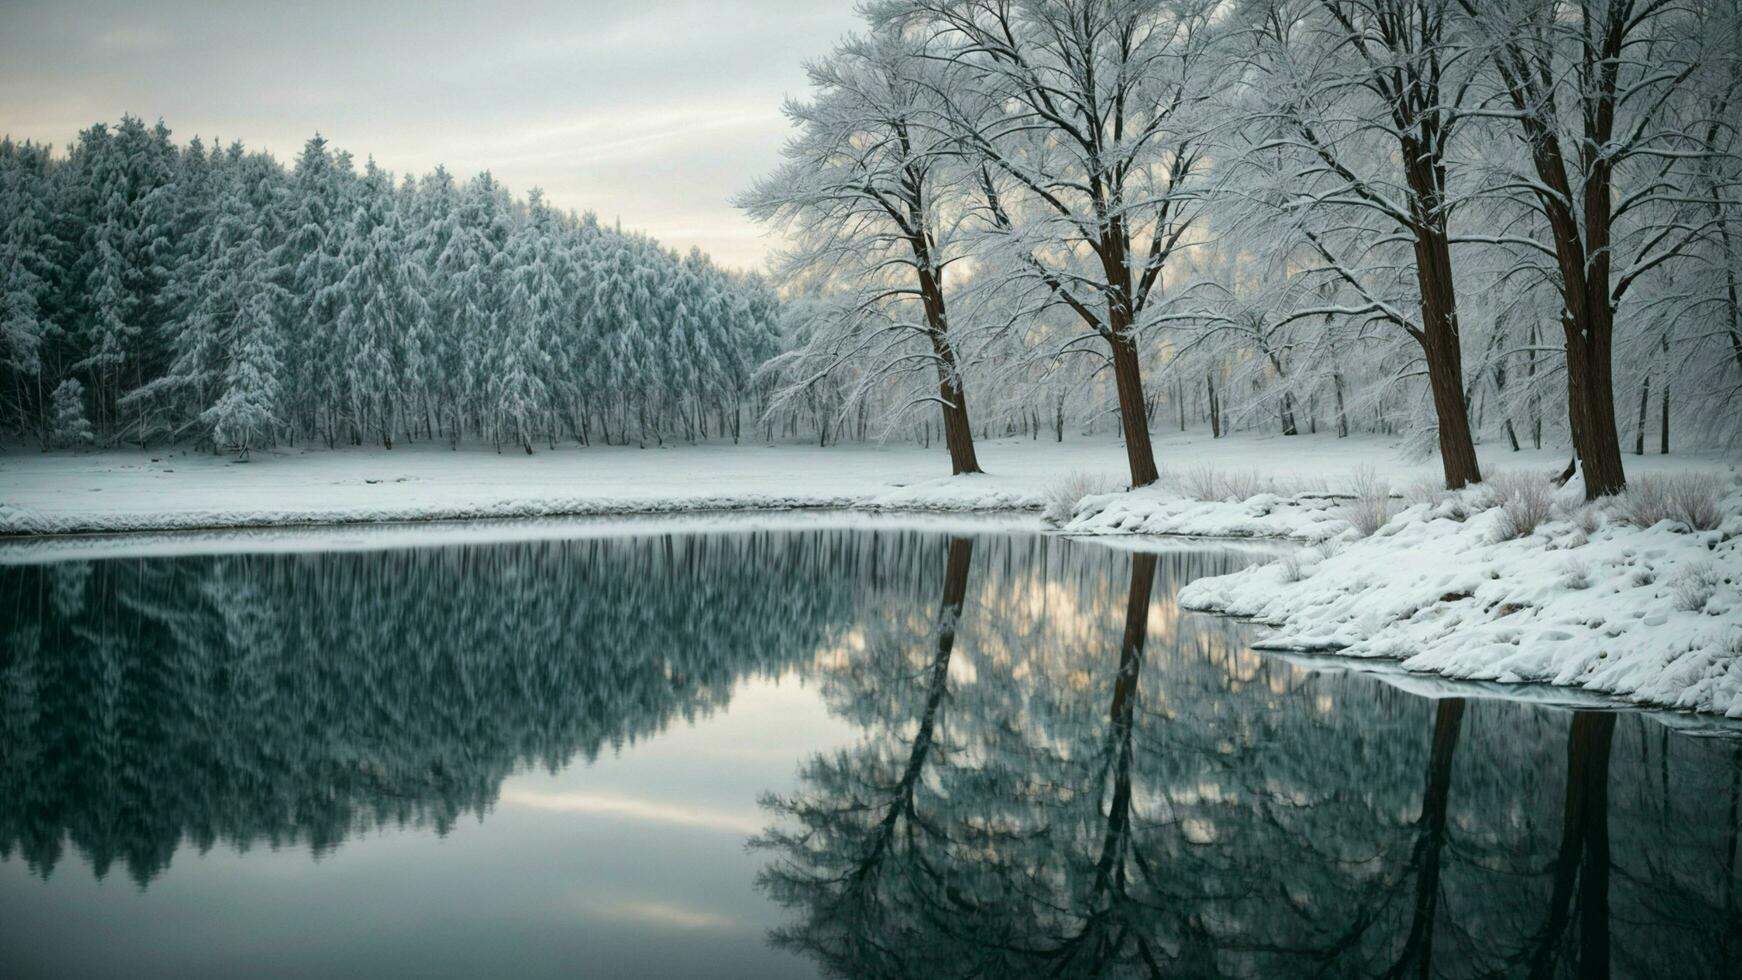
[
  {"x": 1439, "y": 329},
  {"x": 1644, "y": 400},
  {"x": 1128, "y": 379},
  {"x": 1216, "y": 406},
  {"x": 953, "y": 401},
  {"x": 1342, "y": 412},
  {"x": 1663, "y": 443},
  {"x": 1591, "y": 401}
]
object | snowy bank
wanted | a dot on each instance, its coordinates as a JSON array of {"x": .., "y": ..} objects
[
  {"x": 135, "y": 491},
  {"x": 1313, "y": 516},
  {"x": 130, "y": 490},
  {"x": 1585, "y": 599}
]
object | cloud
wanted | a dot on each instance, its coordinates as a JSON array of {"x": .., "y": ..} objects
[
  {"x": 132, "y": 38},
  {"x": 655, "y": 113},
  {"x": 633, "y": 808},
  {"x": 660, "y": 914}
]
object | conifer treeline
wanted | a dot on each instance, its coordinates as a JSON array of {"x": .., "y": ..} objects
[{"x": 153, "y": 292}]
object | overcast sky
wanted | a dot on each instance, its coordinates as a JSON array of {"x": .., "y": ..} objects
[{"x": 654, "y": 111}]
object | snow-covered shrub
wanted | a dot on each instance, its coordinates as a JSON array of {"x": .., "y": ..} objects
[
  {"x": 1576, "y": 574},
  {"x": 1695, "y": 499},
  {"x": 1694, "y": 585},
  {"x": 1243, "y": 484},
  {"x": 1209, "y": 483},
  {"x": 70, "y": 427},
  {"x": 1645, "y": 501},
  {"x": 1291, "y": 569},
  {"x": 1525, "y": 501},
  {"x": 1371, "y": 505},
  {"x": 1063, "y": 495},
  {"x": 1430, "y": 492},
  {"x": 1201, "y": 483}
]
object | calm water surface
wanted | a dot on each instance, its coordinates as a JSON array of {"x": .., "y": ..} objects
[{"x": 790, "y": 753}]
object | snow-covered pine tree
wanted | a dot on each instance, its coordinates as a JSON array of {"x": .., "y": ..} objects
[
  {"x": 311, "y": 256},
  {"x": 136, "y": 257},
  {"x": 536, "y": 309},
  {"x": 249, "y": 409},
  {"x": 25, "y": 280},
  {"x": 379, "y": 302},
  {"x": 70, "y": 426}
]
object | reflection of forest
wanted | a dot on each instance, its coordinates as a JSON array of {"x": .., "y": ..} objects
[
  {"x": 1062, "y": 775},
  {"x": 295, "y": 698}
]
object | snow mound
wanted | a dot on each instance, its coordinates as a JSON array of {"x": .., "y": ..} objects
[
  {"x": 1308, "y": 517},
  {"x": 1651, "y": 615}
]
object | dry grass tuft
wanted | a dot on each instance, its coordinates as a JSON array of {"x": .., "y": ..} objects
[
  {"x": 1372, "y": 506},
  {"x": 1695, "y": 499},
  {"x": 1063, "y": 496},
  {"x": 1526, "y": 500}
]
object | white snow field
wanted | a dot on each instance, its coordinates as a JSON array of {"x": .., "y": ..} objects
[{"x": 131, "y": 490}]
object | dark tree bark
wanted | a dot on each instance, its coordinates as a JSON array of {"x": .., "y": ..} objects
[
  {"x": 1663, "y": 443},
  {"x": 1128, "y": 380},
  {"x": 1216, "y": 406},
  {"x": 1342, "y": 412},
  {"x": 1644, "y": 400},
  {"x": 953, "y": 406},
  {"x": 952, "y": 399},
  {"x": 1439, "y": 339}
]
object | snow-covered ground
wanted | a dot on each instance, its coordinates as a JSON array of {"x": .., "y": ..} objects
[
  {"x": 1587, "y": 600},
  {"x": 130, "y": 491},
  {"x": 44, "y": 493},
  {"x": 1288, "y": 489}
]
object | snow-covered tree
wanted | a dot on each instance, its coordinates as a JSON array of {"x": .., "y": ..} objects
[
  {"x": 26, "y": 280},
  {"x": 1353, "y": 110},
  {"x": 865, "y": 197},
  {"x": 69, "y": 425},
  {"x": 1588, "y": 89},
  {"x": 1085, "y": 123}
]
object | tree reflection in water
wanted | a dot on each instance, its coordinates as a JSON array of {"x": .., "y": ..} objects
[
  {"x": 297, "y": 699},
  {"x": 1223, "y": 814},
  {"x": 1057, "y": 772}
]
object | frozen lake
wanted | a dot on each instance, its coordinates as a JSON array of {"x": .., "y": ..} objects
[{"x": 547, "y": 758}]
